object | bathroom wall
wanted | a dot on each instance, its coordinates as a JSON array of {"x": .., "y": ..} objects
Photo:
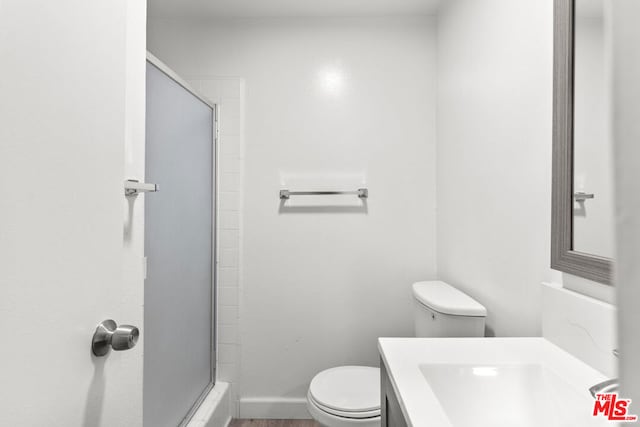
[
  {"x": 494, "y": 155},
  {"x": 329, "y": 103},
  {"x": 626, "y": 95}
]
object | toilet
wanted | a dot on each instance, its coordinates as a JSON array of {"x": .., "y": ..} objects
[{"x": 350, "y": 395}]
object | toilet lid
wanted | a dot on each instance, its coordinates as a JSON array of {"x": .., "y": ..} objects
[{"x": 347, "y": 389}]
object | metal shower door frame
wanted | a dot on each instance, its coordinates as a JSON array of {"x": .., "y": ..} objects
[{"x": 214, "y": 217}]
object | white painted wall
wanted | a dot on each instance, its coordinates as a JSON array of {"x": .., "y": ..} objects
[
  {"x": 626, "y": 105},
  {"x": 494, "y": 155},
  {"x": 333, "y": 102}
]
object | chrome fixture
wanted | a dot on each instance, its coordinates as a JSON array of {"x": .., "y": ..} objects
[
  {"x": 362, "y": 193},
  {"x": 608, "y": 386},
  {"x": 132, "y": 187},
  {"x": 581, "y": 196},
  {"x": 109, "y": 335}
]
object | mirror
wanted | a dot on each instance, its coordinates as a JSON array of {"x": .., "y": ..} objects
[
  {"x": 583, "y": 207},
  {"x": 593, "y": 228}
]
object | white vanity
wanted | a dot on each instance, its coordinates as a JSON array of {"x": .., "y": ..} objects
[{"x": 484, "y": 382}]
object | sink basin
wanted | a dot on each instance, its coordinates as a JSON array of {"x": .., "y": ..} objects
[
  {"x": 489, "y": 382},
  {"x": 526, "y": 395}
]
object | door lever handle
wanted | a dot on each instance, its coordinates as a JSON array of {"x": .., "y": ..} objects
[{"x": 109, "y": 335}]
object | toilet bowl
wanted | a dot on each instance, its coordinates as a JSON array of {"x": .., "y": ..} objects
[
  {"x": 345, "y": 396},
  {"x": 350, "y": 395}
]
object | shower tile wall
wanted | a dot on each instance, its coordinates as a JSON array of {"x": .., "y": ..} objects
[{"x": 228, "y": 94}]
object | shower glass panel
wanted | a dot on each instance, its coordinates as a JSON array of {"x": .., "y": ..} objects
[{"x": 179, "y": 235}]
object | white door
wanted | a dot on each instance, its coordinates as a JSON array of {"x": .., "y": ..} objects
[{"x": 71, "y": 110}]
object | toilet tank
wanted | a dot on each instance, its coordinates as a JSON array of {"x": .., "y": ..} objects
[{"x": 440, "y": 310}]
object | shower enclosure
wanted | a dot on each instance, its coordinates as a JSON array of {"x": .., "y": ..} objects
[{"x": 179, "y": 312}]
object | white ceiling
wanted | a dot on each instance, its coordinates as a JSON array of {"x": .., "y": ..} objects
[{"x": 288, "y": 8}]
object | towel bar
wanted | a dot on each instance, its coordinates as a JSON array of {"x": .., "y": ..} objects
[{"x": 362, "y": 193}]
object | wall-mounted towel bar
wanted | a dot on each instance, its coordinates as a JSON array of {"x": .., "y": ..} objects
[
  {"x": 133, "y": 187},
  {"x": 362, "y": 193}
]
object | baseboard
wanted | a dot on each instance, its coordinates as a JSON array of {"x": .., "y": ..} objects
[{"x": 273, "y": 408}]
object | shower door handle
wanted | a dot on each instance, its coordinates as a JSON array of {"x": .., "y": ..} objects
[
  {"x": 109, "y": 335},
  {"x": 133, "y": 187}
]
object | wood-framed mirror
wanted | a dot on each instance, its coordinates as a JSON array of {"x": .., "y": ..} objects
[{"x": 582, "y": 239}]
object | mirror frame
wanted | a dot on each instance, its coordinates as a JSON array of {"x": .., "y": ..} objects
[{"x": 563, "y": 257}]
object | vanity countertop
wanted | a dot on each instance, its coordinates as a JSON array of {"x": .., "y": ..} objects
[{"x": 424, "y": 370}]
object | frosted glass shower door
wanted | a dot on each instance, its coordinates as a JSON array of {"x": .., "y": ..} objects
[{"x": 179, "y": 236}]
